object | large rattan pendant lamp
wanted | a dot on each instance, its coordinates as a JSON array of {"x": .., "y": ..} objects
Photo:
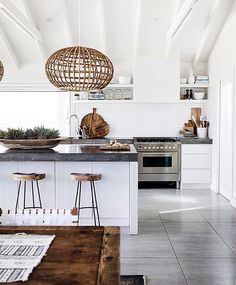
[
  {"x": 1, "y": 70},
  {"x": 79, "y": 68}
]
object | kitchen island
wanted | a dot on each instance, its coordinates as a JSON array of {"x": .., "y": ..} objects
[{"x": 117, "y": 191}]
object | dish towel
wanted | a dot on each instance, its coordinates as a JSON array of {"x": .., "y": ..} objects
[{"x": 20, "y": 253}]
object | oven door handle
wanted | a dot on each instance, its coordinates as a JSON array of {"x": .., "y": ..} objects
[{"x": 158, "y": 154}]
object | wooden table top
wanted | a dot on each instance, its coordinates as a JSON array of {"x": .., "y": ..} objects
[{"x": 77, "y": 256}]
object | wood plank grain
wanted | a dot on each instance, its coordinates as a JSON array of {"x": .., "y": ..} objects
[
  {"x": 75, "y": 255},
  {"x": 109, "y": 266}
]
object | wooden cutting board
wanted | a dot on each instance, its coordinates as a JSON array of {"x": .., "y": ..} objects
[
  {"x": 94, "y": 125},
  {"x": 108, "y": 147}
]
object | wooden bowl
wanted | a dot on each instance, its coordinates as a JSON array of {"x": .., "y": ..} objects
[{"x": 31, "y": 143}]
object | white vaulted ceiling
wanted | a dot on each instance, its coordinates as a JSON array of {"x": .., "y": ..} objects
[{"x": 123, "y": 29}]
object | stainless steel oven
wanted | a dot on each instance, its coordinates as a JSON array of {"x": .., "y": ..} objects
[{"x": 158, "y": 159}]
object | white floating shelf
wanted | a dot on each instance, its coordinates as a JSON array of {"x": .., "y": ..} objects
[
  {"x": 194, "y": 85},
  {"x": 192, "y": 101},
  {"x": 117, "y": 85}
]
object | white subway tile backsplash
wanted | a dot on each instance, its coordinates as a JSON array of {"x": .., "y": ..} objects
[{"x": 141, "y": 119}]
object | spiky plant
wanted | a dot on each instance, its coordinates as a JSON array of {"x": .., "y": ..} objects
[
  {"x": 53, "y": 134},
  {"x": 29, "y": 134},
  {"x": 14, "y": 134},
  {"x": 2, "y": 134},
  {"x": 44, "y": 133}
]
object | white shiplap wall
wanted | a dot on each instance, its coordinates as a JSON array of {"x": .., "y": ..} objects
[{"x": 127, "y": 119}]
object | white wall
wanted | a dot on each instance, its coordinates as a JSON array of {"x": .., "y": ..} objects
[
  {"x": 222, "y": 63},
  {"x": 140, "y": 119}
]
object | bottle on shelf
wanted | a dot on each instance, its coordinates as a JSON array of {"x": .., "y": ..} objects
[{"x": 191, "y": 78}]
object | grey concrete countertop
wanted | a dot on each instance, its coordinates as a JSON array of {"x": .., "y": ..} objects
[
  {"x": 68, "y": 152},
  {"x": 195, "y": 141},
  {"x": 97, "y": 141}
]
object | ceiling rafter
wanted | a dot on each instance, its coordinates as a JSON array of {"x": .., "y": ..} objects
[
  {"x": 65, "y": 9},
  {"x": 180, "y": 18},
  {"x": 18, "y": 18},
  {"x": 10, "y": 48},
  {"x": 39, "y": 43},
  {"x": 216, "y": 21},
  {"x": 103, "y": 26},
  {"x": 137, "y": 29}
]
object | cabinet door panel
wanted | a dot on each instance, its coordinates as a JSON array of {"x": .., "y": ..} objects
[
  {"x": 8, "y": 187},
  {"x": 196, "y": 148},
  {"x": 113, "y": 189},
  {"x": 193, "y": 161}
]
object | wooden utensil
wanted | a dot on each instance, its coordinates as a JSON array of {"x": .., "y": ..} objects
[{"x": 94, "y": 125}]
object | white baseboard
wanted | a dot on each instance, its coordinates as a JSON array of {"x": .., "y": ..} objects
[{"x": 195, "y": 186}]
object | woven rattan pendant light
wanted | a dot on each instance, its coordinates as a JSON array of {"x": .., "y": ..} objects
[
  {"x": 1, "y": 70},
  {"x": 79, "y": 69}
]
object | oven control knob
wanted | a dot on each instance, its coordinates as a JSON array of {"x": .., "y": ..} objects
[
  {"x": 140, "y": 147},
  {"x": 170, "y": 147},
  {"x": 144, "y": 147},
  {"x": 165, "y": 147},
  {"x": 153, "y": 147},
  {"x": 173, "y": 147},
  {"x": 149, "y": 147},
  {"x": 161, "y": 147},
  {"x": 157, "y": 147}
]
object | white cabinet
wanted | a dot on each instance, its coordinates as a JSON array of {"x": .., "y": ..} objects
[{"x": 196, "y": 166}]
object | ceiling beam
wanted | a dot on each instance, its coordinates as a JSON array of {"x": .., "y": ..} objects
[
  {"x": 18, "y": 18},
  {"x": 103, "y": 26},
  {"x": 39, "y": 43},
  {"x": 217, "y": 18},
  {"x": 180, "y": 18},
  {"x": 10, "y": 48},
  {"x": 137, "y": 29},
  {"x": 66, "y": 13}
]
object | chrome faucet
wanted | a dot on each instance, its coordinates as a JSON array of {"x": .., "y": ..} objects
[{"x": 77, "y": 127}]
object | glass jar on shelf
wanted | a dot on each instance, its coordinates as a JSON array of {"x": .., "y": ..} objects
[
  {"x": 109, "y": 94},
  {"x": 118, "y": 94}
]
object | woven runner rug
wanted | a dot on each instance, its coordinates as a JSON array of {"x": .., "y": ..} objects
[{"x": 133, "y": 280}]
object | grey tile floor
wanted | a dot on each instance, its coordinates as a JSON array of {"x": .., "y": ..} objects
[{"x": 185, "y": 238}]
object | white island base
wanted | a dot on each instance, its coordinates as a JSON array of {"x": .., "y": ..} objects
[{"x": 117, "y": 192}]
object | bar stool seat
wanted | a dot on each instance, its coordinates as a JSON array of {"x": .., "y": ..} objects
[
  {"x": 89, "y": 177},
  {"x": 33, "y": 178},
  {"x": 28, "y": 176},
  {"x": 85, "y": 177}
]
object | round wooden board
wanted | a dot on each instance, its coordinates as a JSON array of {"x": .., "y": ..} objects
[{"x": 95, "y": 126}]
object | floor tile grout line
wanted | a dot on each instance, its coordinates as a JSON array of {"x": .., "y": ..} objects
[
  {"x": 173, "y": 249},
  {"x": 217, "y": 233}
]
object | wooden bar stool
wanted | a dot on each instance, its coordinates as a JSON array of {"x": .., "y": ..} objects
[
  {"x": 28, "y": 177},
  {"x": 80, "y": 177}
]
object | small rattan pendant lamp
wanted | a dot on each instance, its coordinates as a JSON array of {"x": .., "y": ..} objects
[
  {"x": 79, "y": 68},
  {"x": 1, "y": 70}
]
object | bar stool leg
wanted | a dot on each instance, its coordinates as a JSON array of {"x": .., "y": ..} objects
[
  {"x": 76, "y": 196},
  {"x": 18, "y": 194},
  {"x": 79, "y": 185},
  {"x": 32, "y": 189},
  {"x": 40, "y": 202},
  {"x": 96, "y": 204},
  {"x": 24, "y": 194},
  {"x": 93, "y": 207}
]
